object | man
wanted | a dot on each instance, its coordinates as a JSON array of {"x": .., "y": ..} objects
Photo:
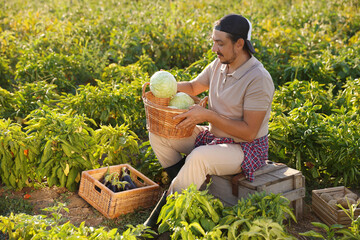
[{"x": 240, "y": 96}]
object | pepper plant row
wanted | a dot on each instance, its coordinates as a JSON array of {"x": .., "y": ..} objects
[
  {"x": 92, "y": 61},
  {"x": 57, "y": 147}
]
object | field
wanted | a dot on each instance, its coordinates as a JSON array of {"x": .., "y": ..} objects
[{"x": 71, "y": 76}]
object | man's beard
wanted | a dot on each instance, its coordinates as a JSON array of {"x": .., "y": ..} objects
[{"x": 227, "y": 61}]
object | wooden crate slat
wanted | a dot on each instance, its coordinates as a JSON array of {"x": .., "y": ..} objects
[
  {"x": 269, "y": 167},
  {"x": 285, "y": 172},
  {"x": 278, "y": 186},
  {"x": 261, "y": 180},
  {"x": 221, "y": 188},
  {"x": 327, "y": 213},
  {"x": 272, "y": 178},
  {"x": 294, "y": 194}
]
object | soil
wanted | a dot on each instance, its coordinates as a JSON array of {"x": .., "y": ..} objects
[{"x": 80, "y": 210}]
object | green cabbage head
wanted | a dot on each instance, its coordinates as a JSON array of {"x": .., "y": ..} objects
[
  {"x": 163, "y": 84},
  {"x": 181, "y": 100}
]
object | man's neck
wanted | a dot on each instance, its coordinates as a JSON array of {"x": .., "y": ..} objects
[{"x": 240, "y": 60}]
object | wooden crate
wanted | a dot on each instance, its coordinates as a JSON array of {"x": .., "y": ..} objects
[
  {"x": 327, "y": 213},
  {"x": 271, "y": 178},
  {"x": 111, "y": 204}
]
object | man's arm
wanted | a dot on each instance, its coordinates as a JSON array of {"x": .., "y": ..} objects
[
  {"x": 192, "y": 88},
  {"x": 246, "y": 129}
]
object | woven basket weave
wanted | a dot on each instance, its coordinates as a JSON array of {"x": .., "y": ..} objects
[
  {"x": 159, "y": 118},
  {"x": 111, "y": 204},
  {"x": 160, "y": 101}
]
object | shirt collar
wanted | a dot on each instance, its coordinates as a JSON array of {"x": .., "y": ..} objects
[
  {"x": 242, "y": 69},
  {"x": 223, "y": 68}
]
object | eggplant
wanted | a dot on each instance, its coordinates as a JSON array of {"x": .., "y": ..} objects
[
  {"x": 106, "y": 176},
  {"x": 109, "y": 185},
  {"x": 111, "y": 180},
  {"x": 126, "y": 177},
  {"x": 130, "y": 183},
  {"x": 113, "y": 188},
  {"x": 118, "y": 182},
  {"x": 120, "y": 188}
]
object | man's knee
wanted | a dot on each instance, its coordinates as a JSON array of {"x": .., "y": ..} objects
[
  {"x": 196, "y": 157},
  {"x": 153, "y": 138}
]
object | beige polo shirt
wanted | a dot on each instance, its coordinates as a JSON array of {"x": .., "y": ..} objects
[{"x": 250, "y": 87}]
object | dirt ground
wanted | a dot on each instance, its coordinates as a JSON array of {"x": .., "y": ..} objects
[{"x": 80, "y": 210}]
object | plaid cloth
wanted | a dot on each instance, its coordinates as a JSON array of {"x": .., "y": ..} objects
[{"x": 255, "y": 152}]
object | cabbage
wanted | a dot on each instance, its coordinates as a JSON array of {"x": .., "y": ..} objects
[
  {"x": 181, "y": 101},
  {"x": 163, "y": 84}
]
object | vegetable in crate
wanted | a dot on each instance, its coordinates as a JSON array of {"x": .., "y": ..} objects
[
  {"x": 181, "y": 100},
  {"x": 126, "y": 177},
  {"x": 109, "y": 180},
  {"x": 345, "y": 202},
  {"x": 163, "y": 84},
  {"x": 118, "y": 181},
  {"x": 112, "y": 181},
  {"x": 105, "y": 179},
  {"x": 327, "y": 197},
  {"x": 120, "y": 185}
]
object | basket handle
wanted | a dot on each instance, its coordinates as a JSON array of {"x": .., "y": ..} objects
[{"x": 143, "y": 88}]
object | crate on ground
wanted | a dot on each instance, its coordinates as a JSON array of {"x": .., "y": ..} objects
[
  {"x": 327, "y": 213},
  {"x": 271, "y": 178},
  {"x": 111, "y": 204}
]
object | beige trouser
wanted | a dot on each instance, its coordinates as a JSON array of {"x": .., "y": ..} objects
[{"x": 221, "y": 159}]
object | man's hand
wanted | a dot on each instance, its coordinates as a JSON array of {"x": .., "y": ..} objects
[
  {"x": 195, "y": 115},
  {"x": 246, "y": 129}
]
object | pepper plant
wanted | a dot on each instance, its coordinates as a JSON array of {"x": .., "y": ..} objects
[
  {"x": 265, "y": 229},
  {"x": 67, "y": 146},
  {"x": 6, "y": 103},
  {"x": 194, "y": 214},
  {"x": 109, "y": 103},
  {"x": 119, "y": 144},
  {"x": 338, "y": 231},
  {"x": 317, "y": 134},
  {"x": 24, "y": 226},
  {"x": 18, "y": 155},
  {"x": 31, "y": 96}
]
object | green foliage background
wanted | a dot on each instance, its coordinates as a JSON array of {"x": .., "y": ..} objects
[{"x": 87, "y": 60}]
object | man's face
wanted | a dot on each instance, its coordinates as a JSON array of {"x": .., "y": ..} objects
[{"x": 223, "y": 47}]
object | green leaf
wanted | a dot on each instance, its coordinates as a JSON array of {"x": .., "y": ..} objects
[
  {"x": 214, "y": 216},
  {"x": 66, "y": 150},
  {"x": 163, "y": 227},
  {"x": 321, "y": 225},
  {"x": 207, "y": 224},
  {"x": 12, "y": 180},
  {"x": 227, "y": 220},
  {"x": 197, "y": 227},
  {"x": 233, "y": 229},
  {"x": 47, "y": 152},
  {"x": 312, "y": 234}
]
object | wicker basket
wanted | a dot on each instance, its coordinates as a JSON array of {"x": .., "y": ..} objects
[
  {"x": 150, "y": 96},
  {"x": 159, "y": 118},
  {"x": 111, "y": 204}
]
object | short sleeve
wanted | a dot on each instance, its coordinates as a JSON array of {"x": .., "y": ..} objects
[
  {"x": 259, "y": 93},
  {"x": 205, "y": 75}
]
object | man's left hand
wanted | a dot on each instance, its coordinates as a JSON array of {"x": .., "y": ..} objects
[{"x": 196, "y": 114}]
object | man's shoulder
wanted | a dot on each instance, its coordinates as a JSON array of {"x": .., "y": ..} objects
[
  {"x": 215, "y": 64},
  {"x": 260, "y": 67}
]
